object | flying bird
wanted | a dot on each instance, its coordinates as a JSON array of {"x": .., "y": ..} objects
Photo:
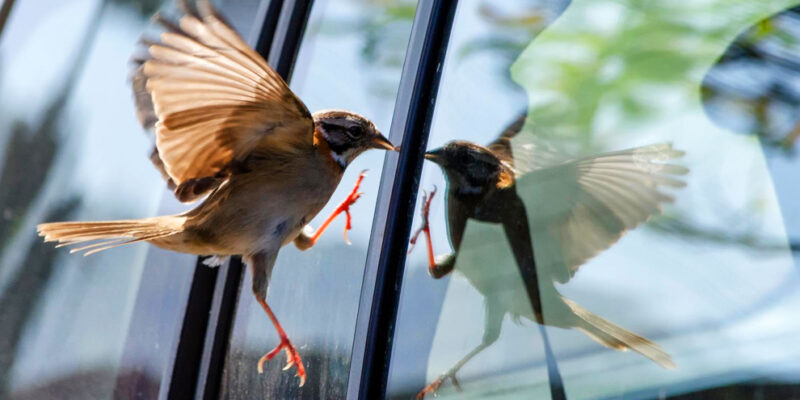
[
  {"x": 228, "y": 128},
  {"x": 568, "y": 210}
]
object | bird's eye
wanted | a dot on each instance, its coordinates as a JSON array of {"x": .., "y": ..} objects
[{"x": 355, "y": 132}]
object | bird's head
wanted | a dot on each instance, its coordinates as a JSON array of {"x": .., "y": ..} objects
[
  {"x": 349, "y": 134},
  {"x": 467, "y": 165}
]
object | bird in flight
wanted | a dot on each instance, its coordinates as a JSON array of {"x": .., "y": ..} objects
[
  {"x": 567, "y": 210},
  {"x": 228, "y": 128}
]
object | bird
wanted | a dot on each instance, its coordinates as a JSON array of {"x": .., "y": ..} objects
[
  {"x": 228, "y": 130},
  {"x": 567, "y": 209}
]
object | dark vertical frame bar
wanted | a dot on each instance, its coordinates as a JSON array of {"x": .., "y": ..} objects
[
  {"x": 380, "y": 292},
  {"x": 201, "y": 345},
  {"x": 226, "y": 290},
  {"x": 220, "y": 316},
  {"x": 288, "y": 34},
  {"x": 278, "y": 39},
  {"x": 189, "y": 345}
]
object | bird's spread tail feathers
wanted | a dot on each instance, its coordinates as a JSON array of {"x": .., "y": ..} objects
[
  {"x": 103, "y": 235},
  {"x": 618, "y": 338}
]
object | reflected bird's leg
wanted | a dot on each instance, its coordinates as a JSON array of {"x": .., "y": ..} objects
[
  {"x": 304, "y": 241},
  {"x": 445, "y": 265},
  {"x": 261, "y": 266},
  {"x": 493, "y": 322},
  {"x": 425, "y": 228},
  {"x": 442, "y": 268}
]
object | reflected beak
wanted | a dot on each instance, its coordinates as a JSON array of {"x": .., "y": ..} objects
[
  {"x": 434, "y": 155},
  {"x": 380, "y": 142}
]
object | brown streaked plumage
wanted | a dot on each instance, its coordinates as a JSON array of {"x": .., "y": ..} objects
[
  {"x": 229, "y": 128},
  {"x": 571, "y": 209}
]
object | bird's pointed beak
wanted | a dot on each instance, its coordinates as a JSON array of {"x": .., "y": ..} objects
[
  {"x": 381, "y": 142},
  {"x": 434, "y": 155}
]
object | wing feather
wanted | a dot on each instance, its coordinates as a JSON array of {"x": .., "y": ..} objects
[
  {"x": 215, "y": 99},
  {"x": 523, "y": 151},
  {"x": 582, "y": 207}
]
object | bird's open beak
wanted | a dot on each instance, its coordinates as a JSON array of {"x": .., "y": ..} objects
[
  {"x": 381, "y": 142},
  {"x": 434, "y": 155}
]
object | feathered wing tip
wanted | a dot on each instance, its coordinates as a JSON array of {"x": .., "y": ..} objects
[
  {"x": 103, "y": 235},
  {"x": 209, "y": 98},
  {"x": 145, "y": 108},
  {"x": 614, "y": 193},
  {"x": 145, "y": 111},
  {"x": 618, "y": 338}
]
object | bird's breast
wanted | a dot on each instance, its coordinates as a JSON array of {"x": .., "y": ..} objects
[{"x": 267, "y": 207}]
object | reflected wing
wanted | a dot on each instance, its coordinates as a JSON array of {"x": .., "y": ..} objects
[
  {"x": 216, "y": 100},
  {"x": 582, "y": 207},
  {"x": 501, "y": 146},
  {"x": 523, "y": 151}
]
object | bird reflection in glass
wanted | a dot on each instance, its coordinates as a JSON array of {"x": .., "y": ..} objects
[
  {"x": 229, "y": 129},
  {"x": 567, "y": 209}
]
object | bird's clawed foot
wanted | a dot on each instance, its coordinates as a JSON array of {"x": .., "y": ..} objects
[
  {"x": 434, "y": 386},
  {"x": 425, "y": 228},
  {"x": 350, "y": 200},
  {"x": 344, "y": 207},
  {"x": 292, "y": 359},
  {"x": 424, "y": 212}
]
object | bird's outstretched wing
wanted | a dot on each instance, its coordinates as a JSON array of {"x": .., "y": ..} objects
[
  {"x": 215, "y": 101},
  {"x": 578, "y": 208}
]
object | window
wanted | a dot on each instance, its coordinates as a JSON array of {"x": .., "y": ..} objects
[
  {"x": 686, "y": 254},
  {"x": 69, "y": 137},
  {"x": 350, "y": 58},
  {"x": 708, "y": 279}
]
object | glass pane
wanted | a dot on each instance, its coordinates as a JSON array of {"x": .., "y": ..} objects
[
  {"x": 350, "y": 58},
  {"x": 73, "y": 150},
  {"x": 694, "y": 272}
]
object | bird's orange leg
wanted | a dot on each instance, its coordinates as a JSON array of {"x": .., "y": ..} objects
[
  {"x": 292, "y": 356},
  {"x": 425, "y": 228},
  {"x": 344, "y": 207},
  {"x": 434, "y": 386},
  {"x": 451, "y": 373}
]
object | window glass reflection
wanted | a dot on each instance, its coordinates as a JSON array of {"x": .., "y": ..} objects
[
  {"x": 69, "y": 134},
  {"x": 629, "y": 116},
  {"x": 350, "y": 58}
]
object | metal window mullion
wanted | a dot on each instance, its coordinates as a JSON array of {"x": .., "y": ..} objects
[
  {"x": 380, "y": 291},
  {"x": 226, "y": 290},
  {"x": 199, "y": 350},
  {"x": 288, "y": 35},
  {"x": 277, "y": 39}
]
